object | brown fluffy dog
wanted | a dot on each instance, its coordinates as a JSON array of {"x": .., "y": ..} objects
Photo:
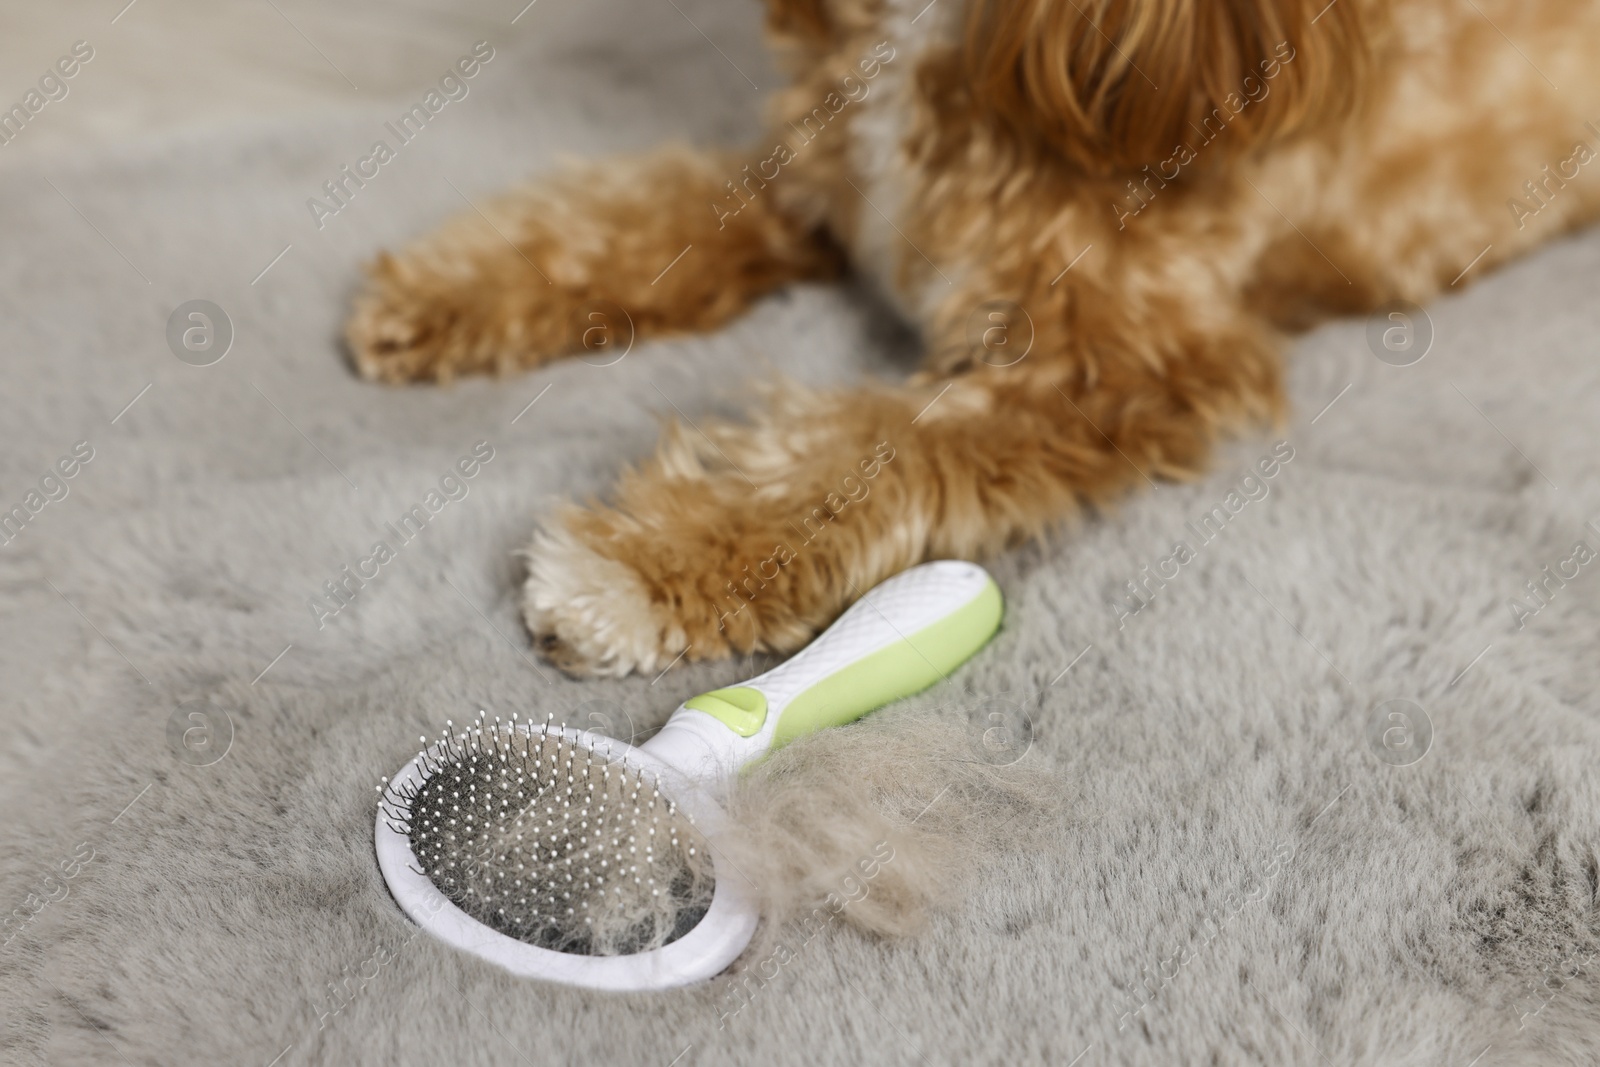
[{"x": 1153, "y": 189}]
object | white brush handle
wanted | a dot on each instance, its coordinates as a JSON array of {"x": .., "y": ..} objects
[{"x": 904, "y": 635}]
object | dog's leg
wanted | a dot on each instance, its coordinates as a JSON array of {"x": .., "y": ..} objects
[
  {"x": 593, "y": 256},
  {"x": 757, "y": 540}
]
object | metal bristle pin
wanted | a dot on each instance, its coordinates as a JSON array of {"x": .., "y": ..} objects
[
  {"x": 551, "y": 842},
  {"x": 565, "y": 855}
]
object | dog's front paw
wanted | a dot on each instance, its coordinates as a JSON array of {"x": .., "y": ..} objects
[
  {"x": 425, "y": 316},
  {"x": 408, "y": 324},
  {"x": 684, "y": 565},
  {"x": 591, "y": 615}
]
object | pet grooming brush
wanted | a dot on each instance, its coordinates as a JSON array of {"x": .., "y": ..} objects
[{"x": 569, "y": 856}]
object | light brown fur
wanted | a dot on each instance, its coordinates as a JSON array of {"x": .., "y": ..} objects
[{"x": 1001, "y": 142}]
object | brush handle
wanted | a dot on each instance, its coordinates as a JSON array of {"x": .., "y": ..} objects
[{"x": 901, "y": 637}]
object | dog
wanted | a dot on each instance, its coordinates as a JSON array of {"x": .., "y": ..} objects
[{"x": 1102, "y": 217}]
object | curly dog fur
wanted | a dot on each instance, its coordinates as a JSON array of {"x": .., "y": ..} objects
[{"x": 1102, "y": 217}]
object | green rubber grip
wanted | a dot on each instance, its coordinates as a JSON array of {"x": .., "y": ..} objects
[{"x": 901, "y": 637}]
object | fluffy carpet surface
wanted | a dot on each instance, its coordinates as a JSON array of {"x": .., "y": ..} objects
[{"x": 1327, "y": 797}]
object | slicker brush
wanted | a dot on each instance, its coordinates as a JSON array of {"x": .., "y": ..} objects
[
  {"x": 550, "y": 842},
  {"x": 566, "y": 855}
]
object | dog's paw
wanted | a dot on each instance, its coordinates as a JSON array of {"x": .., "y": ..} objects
[
  {"x": 590, "y": 615},
  {"x": 406, "y": 325},
  {"x": 420, "y": 320}
]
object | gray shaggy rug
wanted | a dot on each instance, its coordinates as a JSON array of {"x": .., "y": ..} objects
[{"x": 1318, "y": 788}]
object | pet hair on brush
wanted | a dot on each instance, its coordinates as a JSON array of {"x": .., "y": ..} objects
[{"x": 550, "y": 842}]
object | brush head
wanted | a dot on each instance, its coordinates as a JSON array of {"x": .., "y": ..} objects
[{"x": 552, "y": 838}]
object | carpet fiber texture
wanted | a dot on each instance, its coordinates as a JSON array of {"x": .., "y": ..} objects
[{"x": 1328, "y": 796}]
